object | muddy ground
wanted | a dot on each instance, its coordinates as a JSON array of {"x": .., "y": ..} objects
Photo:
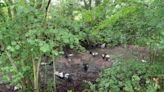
[
  {"x": 74, "y": 66},
  {"x": 96, "y": 64}
]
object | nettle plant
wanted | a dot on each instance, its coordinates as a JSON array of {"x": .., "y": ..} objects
[
  {"x": 25, "y": 40},
  {"x": 134, "y": 77}
]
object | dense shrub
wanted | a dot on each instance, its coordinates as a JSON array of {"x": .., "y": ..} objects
[
  {"x": 132, "y": 77},
  {"x": 27, "y": 37}
]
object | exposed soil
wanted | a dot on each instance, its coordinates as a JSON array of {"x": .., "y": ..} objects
[
  {"x": 6, "y": 88},
  {"x": 75, "y": 67},
  {"x": 96, "y": 64}
]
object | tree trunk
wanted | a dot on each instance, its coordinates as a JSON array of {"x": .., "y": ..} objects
[
  {"x": 14, "y": 9},
  {"x": 47, "y": 7},
  {"x": 36, "y": 67},
  {"x": 88, "y": 5},
  {"x": 97, "y": 2},
  {"x": 8, "y": 9}
]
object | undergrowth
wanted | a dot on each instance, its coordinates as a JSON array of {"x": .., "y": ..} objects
[{"x": 134, "y": 76}]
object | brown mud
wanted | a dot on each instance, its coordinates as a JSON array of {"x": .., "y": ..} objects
[{"x": 75, "y": 67}]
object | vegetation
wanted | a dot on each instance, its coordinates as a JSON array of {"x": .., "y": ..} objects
[
  {"x": 32, "y": 29},
  {"x": 141, "y": 77}
]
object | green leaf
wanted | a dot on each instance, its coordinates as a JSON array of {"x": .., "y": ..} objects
[
  {"x": 66, "y": 40},
  {"x": 128, "y": 87},
  {"x": 31, "y": 41},
  {"x": 10, "y": 48},
  {"x": 135, "y": 78},
  {"x": 6, "y": 78},
  {"x": 13, "y": 43},
  {"x": 56, "y": 53},
  {"x": 151, "y": 88},
  {"x": 17, "y": 47},
  {"x": 45, "y": 48}
]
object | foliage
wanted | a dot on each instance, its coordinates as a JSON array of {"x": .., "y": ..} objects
[
  {"x": 30, "y": 30},
  {"x": 27, "y": 37},
  {"x": 99, "y": 21},
  {"x": 156, "y": 19},
  {"x": 132, "y": 77}
]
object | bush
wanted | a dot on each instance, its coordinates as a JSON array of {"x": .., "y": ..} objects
[{"x": 132, "y": 77}]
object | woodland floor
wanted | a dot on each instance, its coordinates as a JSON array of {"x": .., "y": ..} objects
[{"x": 96, "y": 64}]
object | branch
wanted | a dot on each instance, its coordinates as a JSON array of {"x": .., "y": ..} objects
[
  {"x": 47, "y": 7},
  {"x": 11, "y": 60}
]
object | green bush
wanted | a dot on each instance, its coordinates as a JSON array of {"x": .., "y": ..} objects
[
  {"x": 27, "y": 37},
  {"x": 132, "y": 76}
]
